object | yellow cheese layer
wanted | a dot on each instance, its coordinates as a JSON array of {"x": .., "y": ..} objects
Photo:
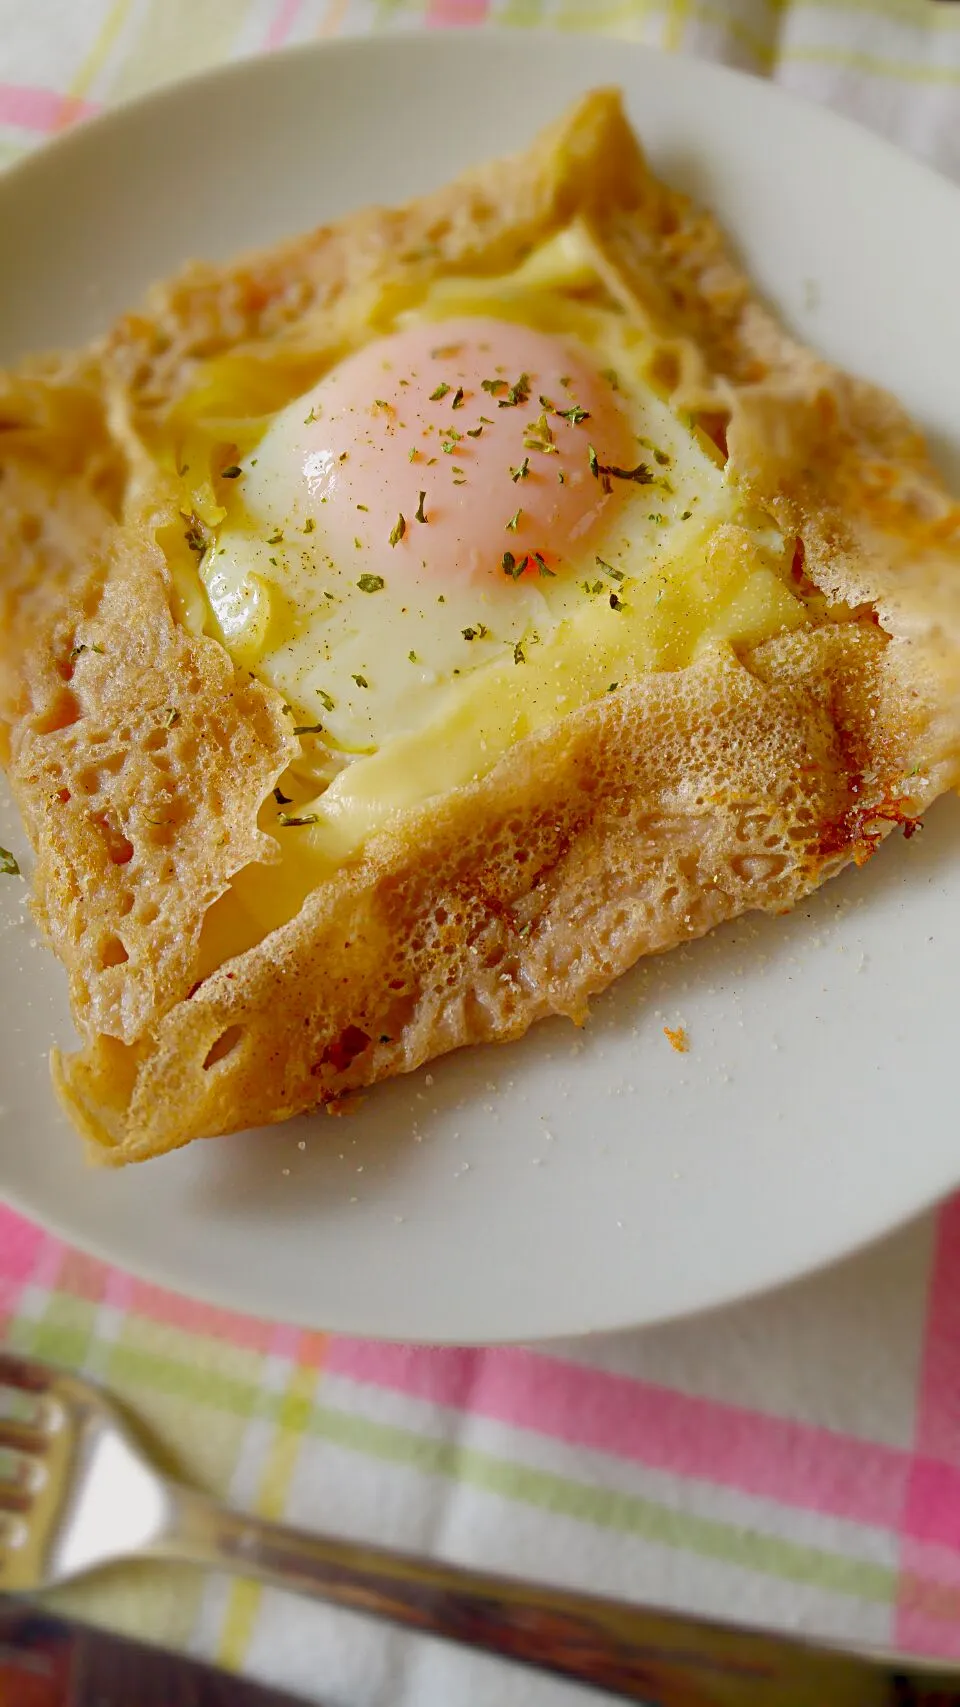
[
  {"x": 724, "y": 590},
  {"x": 699, "y": 575}
]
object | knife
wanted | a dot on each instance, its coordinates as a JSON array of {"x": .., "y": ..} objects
[{"x": 50, "y": 1662}]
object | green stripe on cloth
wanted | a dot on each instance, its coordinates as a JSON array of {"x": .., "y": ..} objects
[
  {"x": 927, "y": 15},
  {"x": 523, "y": 12},
  {"x": 154, "y": 1357},
  {"x": 843, "y": 60},
  {"x": 606, "y": 14},
  {"x": 137, "y": 1599},
  {"x": 627, "y": 1513},
  {"x": 199, "y": 1383},
  {"x": 64, "y": 1333},
  {"x": 179, "y": 1346},
  {"x": 384, "y": 11}
]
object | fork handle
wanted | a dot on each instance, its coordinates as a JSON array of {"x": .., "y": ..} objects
[{"x": 662, "y": 1659}]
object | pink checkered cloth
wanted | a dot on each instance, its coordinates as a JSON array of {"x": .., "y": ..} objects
[{"x": 792, "y": 1462}]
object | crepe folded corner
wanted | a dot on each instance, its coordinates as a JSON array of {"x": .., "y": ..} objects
[{"x": 142, "y": 756}]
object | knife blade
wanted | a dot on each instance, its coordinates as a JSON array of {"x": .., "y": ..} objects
[{"x": 53, "y": 1662}]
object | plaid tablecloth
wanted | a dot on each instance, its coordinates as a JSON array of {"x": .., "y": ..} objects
[{"x": 795, "y": 1461}]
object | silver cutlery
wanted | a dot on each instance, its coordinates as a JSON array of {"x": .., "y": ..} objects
[{"x": 81, "y": 1492}]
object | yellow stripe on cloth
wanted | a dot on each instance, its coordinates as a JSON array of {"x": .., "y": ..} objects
[
  {"x": 761, "y": 48},
  {"x": 332, "y": 21},
  {"x": 243, "y": 1602},
  {"x": 172, "y": 42},
  {"x": 678, "y": 12},
  {"x": 96, "y": 58}
]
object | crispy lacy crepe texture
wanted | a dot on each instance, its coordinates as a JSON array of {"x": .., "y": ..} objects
[{"x": 140, "y": 755}]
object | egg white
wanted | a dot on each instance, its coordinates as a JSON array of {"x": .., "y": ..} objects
[{"x": 367, "y": 665}]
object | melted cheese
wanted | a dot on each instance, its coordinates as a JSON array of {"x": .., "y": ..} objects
[
  {"x": 725, "y": 589},
  {"x": 679, "y": 569}
]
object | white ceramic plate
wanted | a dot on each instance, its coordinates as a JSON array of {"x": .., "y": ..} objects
[{"x": 569, "y": 1182}]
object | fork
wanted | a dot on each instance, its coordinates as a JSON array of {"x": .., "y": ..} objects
[{"x": 83, "y": 1492}]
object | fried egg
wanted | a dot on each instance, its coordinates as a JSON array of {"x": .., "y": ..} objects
[{"x": 471, "y": 524}]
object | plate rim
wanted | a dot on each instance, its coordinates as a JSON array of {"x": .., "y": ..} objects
[{"x": 423, "y": 39}]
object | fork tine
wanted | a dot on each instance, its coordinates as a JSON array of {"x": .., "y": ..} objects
[
  {"x": 21, "y": 1437},
  {"x": 14, "y": 1497},
  {"x": 24, "y": 1373}
]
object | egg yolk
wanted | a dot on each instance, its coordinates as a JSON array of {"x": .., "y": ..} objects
[{"x": 456, "y": 442}]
